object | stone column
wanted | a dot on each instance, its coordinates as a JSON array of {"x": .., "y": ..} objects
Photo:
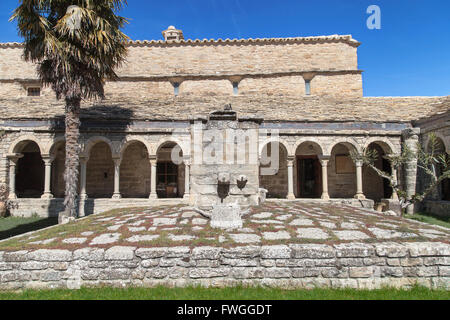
[
  {"x": 48, "y": 174},
  {"x": 324, "y": 164},
  {"x": 359, "y": 184},
  {"x": 83, "y": 166},
  {"x": 187, "y": 167},
  {"x": 153, "y": 163},
  {"x": 394, "y": 177},
  {"x": 116, "y": 194},
  {"x": 13, "y": 158},
  {"x": 411, "y": 139},
  {"x": 290, "y": 166}
]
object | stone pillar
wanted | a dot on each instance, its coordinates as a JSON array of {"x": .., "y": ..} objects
[
  {"x": 48, "y": 174},
  {"x": 290, "y": 166},
  {"x": 83, "y": 166},
  {"x": 187, "y": 167},
  {"x": 394, "y": 178},
  {"x": 116, "y": 194},
  {"x": 324, "y": 164},
  {"x": 411, "y": 139},
  {"x": 13, "y": 158},
  {"x": 359, "y": 184},
  {"x": 153, "y": 163}
]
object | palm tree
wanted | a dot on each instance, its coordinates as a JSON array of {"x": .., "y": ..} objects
[{"x": 76, "y": 45}]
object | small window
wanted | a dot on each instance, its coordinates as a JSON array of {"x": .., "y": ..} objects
[
  {"x": 308, "y": 87},
  {"x": 176, "y": 88},
  {"x": 235, "y": 88},
  {"x": 34, "y": 91}
]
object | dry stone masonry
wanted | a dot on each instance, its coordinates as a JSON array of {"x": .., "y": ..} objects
[{"x": 355, "y": 265}]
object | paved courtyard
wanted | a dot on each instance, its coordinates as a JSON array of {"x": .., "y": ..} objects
[{"x": 270, "y": 224}]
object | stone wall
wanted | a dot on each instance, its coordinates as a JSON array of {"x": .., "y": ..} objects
[
  {"x": 438, "y": 208},
  {"x": 357, "y": 265}
]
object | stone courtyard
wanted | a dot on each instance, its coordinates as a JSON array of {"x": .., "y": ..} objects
[{"x": 275, "y": 222}]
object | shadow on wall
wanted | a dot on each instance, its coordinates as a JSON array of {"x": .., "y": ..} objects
[
  {"x": 99, "y": 118},
  {"x": 27, "y": 227}
]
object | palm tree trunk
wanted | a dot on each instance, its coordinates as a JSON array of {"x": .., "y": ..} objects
[{"x": 72, "y": 160}]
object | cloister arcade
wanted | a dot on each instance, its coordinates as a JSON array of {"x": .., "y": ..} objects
[{"x": 136, "y": 168}]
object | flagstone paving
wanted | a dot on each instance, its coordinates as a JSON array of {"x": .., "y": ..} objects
[{"x": 270, "y": 224}]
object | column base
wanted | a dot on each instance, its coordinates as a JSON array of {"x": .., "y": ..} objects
[
  {"x": 325, "y": 196},
  {"x": 83, "y": 197},
  {"x": 47, "y": 196},
  {"x": 12, "y": 196},
  {"x": 187, "y": 196},
  {"x": 360, "y": 196},
  {"x": 290, "y": 197},
  {"x": 153, "y": 196},
  {"x": 116, "y": 196}
]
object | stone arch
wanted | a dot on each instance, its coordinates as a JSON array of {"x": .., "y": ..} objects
[
  {"x": 170, "y": 174},
  {"x": 49, "y": 148},
  {"x": 135, "y": 170},
  {"x": 350, "y": 143},
  {"x": 275, "y": 140},
  {"x": 57, "y": 151},
  {"x": 384, "y": 143},
  {"x": 92, "y": 141},
  {"x": 130, "y": 140},
  {"x": 442, "y": 192},
  {"x": 307, "y": 169},
  {"x": 165, "y": 140},
  {"x": 99, "y": 168},
  {"x": 30, "y": 170},
  {"x": 441, "y": 140},
  {"x": 20, "y": 142},
  {"x": 374, "y": 186},
  {"x": 342, "y": 170},
  {"x": 274, "y": 178}
]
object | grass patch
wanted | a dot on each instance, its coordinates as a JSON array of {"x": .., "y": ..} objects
[
  {"x": 13, "y": 226},
  {"x": 233, "y": 293},
  {"x": 424, "y": 217}
]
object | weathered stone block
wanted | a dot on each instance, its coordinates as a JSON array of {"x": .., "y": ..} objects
[
  {"x": 34, "y": 265},
  {"x": 391, "y": 250},
  {"x": 178, "y": 252},
  {"x": 149, "y": 253},
  {"x": 313, "y": 251},
  {"x": 89, "y": 254},
  {"x": 360, "y": 272},
  {"x": 242, "y": 252},
  {"x": 50, "y": 255},
  {"x": 120, "y": 253},
  {"x": 433, "y": 261},
  {"x": 277, "y": 273},
  {"x": 209, "y": 272},
  {"x": 15, "y": 256},
  {"x": 332, "y": 272},
  {"x": 206, "y": 253},
  {"x": 149, "y": 263},
  {"x": 422, "y": 249},
  {"x": 354, "y": 250},
  {"x": 275, "y": 252}
]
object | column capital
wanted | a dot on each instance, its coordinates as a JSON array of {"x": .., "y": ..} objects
[
  {"x": 14, "y": 157},
  {"x": 117, "y": 161},
  {"x": 359, "y": 163}
]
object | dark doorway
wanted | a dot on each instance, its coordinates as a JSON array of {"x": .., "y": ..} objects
[
  {"x": 309, "y": 177},
  {"x": 387, "y": 189},
  {"x": 30, "y": 175},
  {"x": 167, "y": 180}
]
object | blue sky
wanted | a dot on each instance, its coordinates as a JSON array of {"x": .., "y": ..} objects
[{"x": 409, "y": 56}]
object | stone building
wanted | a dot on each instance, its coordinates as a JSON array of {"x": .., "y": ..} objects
[{"x": 306, "y": 92}]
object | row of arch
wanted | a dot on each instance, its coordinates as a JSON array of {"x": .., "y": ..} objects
[
  {"x": 310, "y": 163},
  {"x": 104, "y": 174}
]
